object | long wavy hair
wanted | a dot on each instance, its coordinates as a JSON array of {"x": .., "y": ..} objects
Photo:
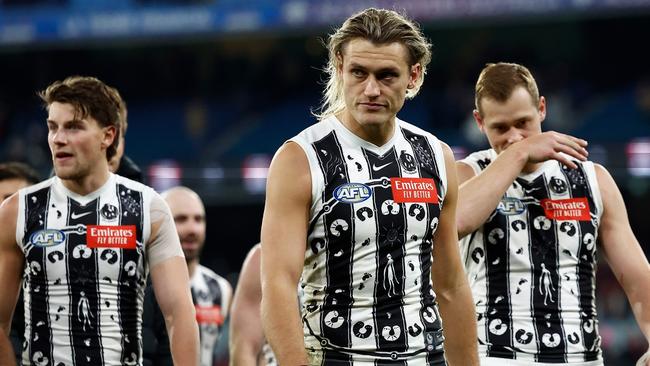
[{"x": 379, "y": 26}]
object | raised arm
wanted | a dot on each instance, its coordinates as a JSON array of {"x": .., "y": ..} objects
[
  {"x": 623, "y": 252},
  {"x": 284, "y": 237},
  {"x": 246, "y": 333},
  {"x": 171, "y": 285},
  {"x": 479, "y": 194},
  {"x": 11, "y": 265},
  {"x": 450, "y": 283}
]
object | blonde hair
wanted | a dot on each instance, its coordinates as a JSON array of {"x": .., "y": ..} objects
[{"x": 379, "y": 26}]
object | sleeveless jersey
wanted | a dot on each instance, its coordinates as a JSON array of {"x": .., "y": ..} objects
[
  {"x": 85, "y": 272},
  {"x": 367, "y": 286},
  {"x": 211, "y": 296},
  {"x": 268, "y": 355},
  {"x": 532, "y": 266}
]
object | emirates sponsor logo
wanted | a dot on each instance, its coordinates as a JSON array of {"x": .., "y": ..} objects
[
  {"x": 209, "y": 315},
  {"x": 414, "y": 190},
  {"x": 567, "y": 209},
  {"x": 102, "y": 236}
]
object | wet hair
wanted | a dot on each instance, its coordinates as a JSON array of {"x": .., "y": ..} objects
[
  {"x": 379, "y": 26},
  {"x": 90, "y": 97},
  {"x": 16, "y": 170},
  {"x": 497, "y": 81}
]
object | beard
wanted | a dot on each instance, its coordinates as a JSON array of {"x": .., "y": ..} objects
[
  {"x": 192, "y": 253},
  {"x": 70, "y": 173}
]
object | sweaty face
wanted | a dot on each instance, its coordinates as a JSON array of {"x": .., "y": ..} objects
[
  {"x": 78, "y": 146},
  {"x": 512, "y": 121},
  {"x": 10, "y": 186},
  {"x": 375, "y": 79},
  {"x": 189, "y": 216}
]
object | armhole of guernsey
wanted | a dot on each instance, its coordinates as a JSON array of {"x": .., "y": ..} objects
[
  {"x": 316, "y": 178},
  {"x": 472, "y": 164},
  {"x": 442, "y": 170},
  {"x": 20, "y": 219},
  {"x": 147, "y": 194},
  {"x": 472, "y": 161},
  {"x": 226, "y": 291},
  {"x": 590, "y": 169}
]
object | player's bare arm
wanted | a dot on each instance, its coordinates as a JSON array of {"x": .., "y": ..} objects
[
  {"x": 284, "y": 234},
  {"x": 246, "y": 334},
  {"x": 11, "y": 265},
  {"x": 449, "y": 280},
  {"x": 623, "y": 252},
  {"x": 170, "y": 280}
]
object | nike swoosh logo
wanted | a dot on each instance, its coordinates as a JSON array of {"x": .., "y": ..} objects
[
  {"x": 377, "y": 168},
  {"x": 74, "y": 215}
]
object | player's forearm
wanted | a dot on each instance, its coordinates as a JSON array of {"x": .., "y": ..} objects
[
  {"x": 459, "y": 323},
  {"x": 639, "y": 299},
  {"x": 244, "y": 353},
  {"x": 184, "y": 338},
  {"x": 7, "y": 357},
  {"x": 282, "y": 324},
  {"x": 479, "y": 196}
]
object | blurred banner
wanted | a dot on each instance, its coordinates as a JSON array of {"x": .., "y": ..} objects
[{"x": 35, "y": 21}]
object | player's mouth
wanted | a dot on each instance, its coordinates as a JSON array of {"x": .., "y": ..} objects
[
  {"x": 189, "y": 243},
  {"x": 62, "y": 156},
  {"x": 372, "y": 106}
]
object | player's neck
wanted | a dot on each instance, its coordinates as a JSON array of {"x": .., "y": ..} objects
[
  {"x": 87, "y": 184},
  {"x": 191, "y": 266},
  {"x": 376, "y": 133}
]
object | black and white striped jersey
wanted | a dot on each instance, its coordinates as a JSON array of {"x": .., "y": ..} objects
[
  {"x": 85, "y": 272},
  {"x": 211, "y": 295},
  {"x": 532, "y": 266},
  {"x": 367, "y": 286},
  {"x": 268, "y": 356}
]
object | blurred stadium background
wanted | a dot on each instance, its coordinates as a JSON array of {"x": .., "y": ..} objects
[{"x": 214, "y": 87}]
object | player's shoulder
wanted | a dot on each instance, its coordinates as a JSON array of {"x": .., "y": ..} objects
[
  {"x": 410, "y": 131},
  {"x": 147, "y": 193},
  {"x": 8, "y": 211},
  {"x": 604, "y": 178},
  {"x": 211, "y": 275},
  {"x": 205, "y": 271},
  {"x": 316, "y": 131},
  {"x": 46, "y": 184},
  {"x": 132, "y": 184},
  {"x": 408, "y": 126},
  {"x": 487, "y": 155}
]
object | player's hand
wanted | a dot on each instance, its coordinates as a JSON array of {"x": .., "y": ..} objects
[{"x": 553, "y": 145}]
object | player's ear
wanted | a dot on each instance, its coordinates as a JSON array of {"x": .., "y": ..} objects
[
  {"x": 541, "y": 108},
  {"x": 339, "y": 63},
  {"x": 479, "y": 120},
  {"x": 414, "y": 75},
  {"x": 109, "y": 136}
]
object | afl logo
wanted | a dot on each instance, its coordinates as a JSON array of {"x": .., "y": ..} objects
[
  {"x": 510, "y": 206},
  {"x": 352, "y": 192},
  {"x": 47, "y": 238}
]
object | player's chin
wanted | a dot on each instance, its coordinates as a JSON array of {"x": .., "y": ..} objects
[
  {"x": 190, "y": 253},
  {"x": 64, "y": 173},
  {"x": 374, "y": 119}
]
